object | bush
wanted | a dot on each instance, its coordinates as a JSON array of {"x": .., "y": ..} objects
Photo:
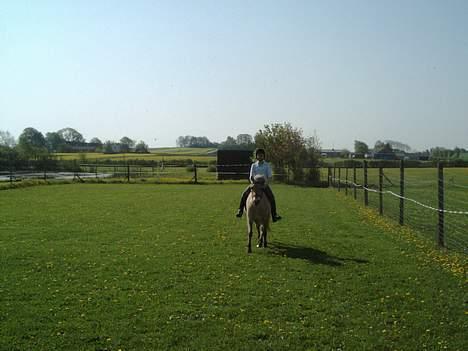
[{"x": 312, "y": 177}]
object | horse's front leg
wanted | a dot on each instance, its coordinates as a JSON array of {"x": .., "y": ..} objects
[
  {"x": 249, "y": 236},
  {"x": 264, "y": 235},
  {"x": 259, "y": 236}
]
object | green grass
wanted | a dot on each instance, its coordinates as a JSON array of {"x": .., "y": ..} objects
[
  {"x": 164, "y": 267},
  {"x": 156, "y": 154}
]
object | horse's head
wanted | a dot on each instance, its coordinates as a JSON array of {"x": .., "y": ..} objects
[
  {"x": 257, "y": 188},
  {"x": 259, "y": 179}
]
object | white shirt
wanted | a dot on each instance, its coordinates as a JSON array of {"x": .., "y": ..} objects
[{"x": 263, "y": 169}]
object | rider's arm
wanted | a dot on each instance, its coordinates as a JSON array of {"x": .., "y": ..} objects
[
  {"x": 269, "y": 174},
  {"x": 252, "y": 173}
]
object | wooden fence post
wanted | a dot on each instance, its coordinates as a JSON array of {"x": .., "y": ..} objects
[
  {"x": 334, "y": 177},
  {"x": 402, "y": 192},
  {"x": 380, "y": 191},
  {"x": 366, "y": 193},
  {"x": 354, "y": 181},
  {"x": 329, "y": 176},
  {"x": 195, "y": 173},
  {"x": 441, "y": 231},
  {"x": 339, "y": 178},
  {"x": 346, "y": 184},
  {"x": 128, "y": 173}
]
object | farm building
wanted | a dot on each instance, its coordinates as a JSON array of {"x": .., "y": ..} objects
[
  {"x": 331, "y": 153},
  {"x": 233, "y": 164}
]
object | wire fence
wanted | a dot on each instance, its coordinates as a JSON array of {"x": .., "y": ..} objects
[{"x": 434, "y": 201}]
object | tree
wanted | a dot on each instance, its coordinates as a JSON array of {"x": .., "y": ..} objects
[
  {"x": 126, "y": 144},
  {"x": 96, "y": 141},
  {"x": 8, "y": 153},
  {"x": 286, "y": 146},
  {"x": 192, "y": 141},
  {"x": 244, "y": 139},
  {"x": 108, "y": 147},
  {"x": 70, "y": 135},
  {"x": 230, "y": 141},
  {"x": 6, "y": 139},
  {"x": 55, "y": 142},
  {"x": 383, "y": 148},
  {"x": 398, "y": 145},
  {"x": 32, "y": 144},
  {"x": 379, "y": 145},
  {"x": 141, "y": 147},
  {"x": 360, "y": 147}
]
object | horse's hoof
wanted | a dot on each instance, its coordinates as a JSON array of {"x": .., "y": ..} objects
[{"x": 258, "y": 245}]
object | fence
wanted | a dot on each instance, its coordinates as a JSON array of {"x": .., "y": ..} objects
[
  {"x": 159, "y": 172},
  {"x": 432, "y": 200}
]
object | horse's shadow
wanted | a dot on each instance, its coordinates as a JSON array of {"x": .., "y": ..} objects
[{"x": 309, "y": 254}]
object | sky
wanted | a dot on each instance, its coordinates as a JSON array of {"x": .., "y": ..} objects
[{"x": 155, "y": 70}]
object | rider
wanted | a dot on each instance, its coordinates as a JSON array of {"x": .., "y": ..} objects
[{"x": 261, "y": 167}]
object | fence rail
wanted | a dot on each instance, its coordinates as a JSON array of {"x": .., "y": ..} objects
[
  {"x": 419, "y": 198},
  {"x": 157, "y": 172}
]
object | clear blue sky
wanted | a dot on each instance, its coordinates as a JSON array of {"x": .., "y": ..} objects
[{"x": 364, "y": 70}]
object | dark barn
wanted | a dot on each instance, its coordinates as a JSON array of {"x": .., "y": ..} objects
[{"x": 233, "y": 164}]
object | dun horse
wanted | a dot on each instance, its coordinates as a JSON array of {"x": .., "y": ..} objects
[{"x": 258, "y": 212}]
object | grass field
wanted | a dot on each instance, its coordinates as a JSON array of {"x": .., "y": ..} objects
[
  {"x": 156, "y": 154},
  {"x": 164, "y": 267}
]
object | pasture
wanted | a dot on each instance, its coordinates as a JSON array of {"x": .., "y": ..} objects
[
  {"x": 156, "y": 154},
  {"x": 159, "y": 267}
]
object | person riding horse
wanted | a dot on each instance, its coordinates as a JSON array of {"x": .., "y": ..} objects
[{"x": 260, "y": 167}]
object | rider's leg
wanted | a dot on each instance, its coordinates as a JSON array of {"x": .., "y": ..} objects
[
  {"x": 271, "y": 197},
  {"x": 243, "y": 201}
]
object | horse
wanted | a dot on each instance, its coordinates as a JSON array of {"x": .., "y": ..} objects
[{"x": 258, "y": 212}]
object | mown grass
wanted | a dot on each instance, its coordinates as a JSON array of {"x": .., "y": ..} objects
[{"x": 159, "y": 267}]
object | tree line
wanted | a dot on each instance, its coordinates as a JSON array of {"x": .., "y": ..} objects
[
  {"x": 33, "y": 144},
  {"x": 391, "y": 147},
  {"x": 241, "y": 142}
]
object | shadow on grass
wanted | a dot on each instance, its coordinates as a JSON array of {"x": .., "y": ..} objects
[{"x": 309, "y": 254}]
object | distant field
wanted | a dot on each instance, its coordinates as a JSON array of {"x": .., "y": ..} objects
[
  {"x": 164, "y": 267},
  {"x": 157, "y": 154},
  {"x": 183, "y": 150}
]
